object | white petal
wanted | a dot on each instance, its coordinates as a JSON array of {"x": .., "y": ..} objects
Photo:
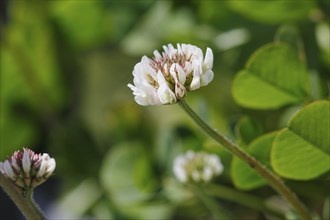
[
  {"x": 179, "y": 170},
  {"x": 15, "y": 164},
  {"x": 216, "y": 164},
  {"x": 188, "y": 69},
  {"x": 45, "y": 157},
  {"x": 195, "y": 83},
  {"x": 169, "y": 50},
  {"x": 218, "y": 168},
  {"x": 1, "y": 168},
  {"x": 196, "y": 51},
  {"x": 157, "y": 55},
  {"x": 213, "y": 159},
  {"x": 208, "y": 61},
  {"x": 141, "y": 101},
  {"x": 173, "y": 72},
  {"x": 51, "y": 165},
  {"x": 42, "y": 168},
  {"x": 145, "y": 96},
  {"x": 207, "y": 174},
  {"x": 176, "y": 71},
  {"x": 8, "y": 170},
  {"x": 132, "y": 87},
  {"x": 181, "y": 74},
  {"x": 206, "y": 78},
  {"x": 26, "y": 162},
  {"x": 197, "y": 67},
  {"x": 165, "y": 94},
  {"x": 178, "y": 46},
  {"x": 145, "y": 61},
  {"x": 190, "y": 154},
  {"x": 180, "y": 90}
]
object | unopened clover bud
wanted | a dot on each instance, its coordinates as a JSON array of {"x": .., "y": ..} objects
[
  {"x": 27, "y": 169},
  {"x": 167, "y": 77},
  {"x": 197, "y": 167}
]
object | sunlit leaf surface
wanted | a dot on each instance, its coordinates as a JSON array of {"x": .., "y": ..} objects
[
  {"x": 301, "y": 151},
  {"x": 273, "y": 77}
]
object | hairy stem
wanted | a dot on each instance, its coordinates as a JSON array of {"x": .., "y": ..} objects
[
  {"x": 268, "y": 175},
  {"x": 23, "y": 200}
]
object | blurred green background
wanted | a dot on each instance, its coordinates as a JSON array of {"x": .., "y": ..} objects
[{"x": 65, "y": 66}]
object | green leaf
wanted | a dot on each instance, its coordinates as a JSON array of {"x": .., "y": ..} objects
[
  {"x": 127, "y": 178},
  {"x": 31, "y": 41},
  {"x": 122, "y": 165},
  {"x": 273, "y": 77},
  {"x": 143, "y": 174},
  {"x": 323, "y": 37},
  {"x": 313, "y": 124},
  {"x": 79, "y": 200},
  {"x": 272, "y": 12},
  {"x": 15, "y": 133},
  {"x": 84, "y": 23},
  {"x": 71, "y": 143},
  {"x": 291, "y": 35},
  {"x": 146, "y": 36},
  {"x": 16, "y": 130},
  {"x": 248, "y": 129},
  {"x": 301, "y": 151},
  {"x": 244, "y": 177},
  {"x": 152, "y": 210}
]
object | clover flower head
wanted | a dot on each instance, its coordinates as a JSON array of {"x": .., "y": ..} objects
[
  {"x": 27, "y": 169},
  {"x": 167, "y": 77},
  {"x": 197, "y": 167}
]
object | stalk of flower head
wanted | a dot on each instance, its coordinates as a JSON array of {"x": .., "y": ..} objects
[
  {"x": 167, "y": 78},
  {"x": 20, "y": 174}
]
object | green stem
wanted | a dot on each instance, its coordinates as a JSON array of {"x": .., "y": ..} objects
[
  {"x": 23, "y": 201},
  {"x": 29, "y": 197},
  {"x": 247, "y": 200},
  {"x": 208, "y": 202},
  {"x": 268, "y": 175}
]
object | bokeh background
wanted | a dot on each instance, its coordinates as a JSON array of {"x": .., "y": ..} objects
[{"x": 65, "y": 66}]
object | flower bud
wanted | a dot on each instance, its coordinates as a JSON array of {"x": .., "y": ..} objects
[{"x": 27, "y": 169}]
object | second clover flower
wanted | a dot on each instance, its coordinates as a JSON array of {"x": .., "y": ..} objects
[
  {"x": 167, "y": 77},
  {"x": 197, "y": 167}
]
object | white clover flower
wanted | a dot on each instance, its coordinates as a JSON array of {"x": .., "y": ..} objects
[
  {"x": 28, "y": 169},
  {"x": 196, "y": 167},
  {"x": 167, "y": 77}
]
